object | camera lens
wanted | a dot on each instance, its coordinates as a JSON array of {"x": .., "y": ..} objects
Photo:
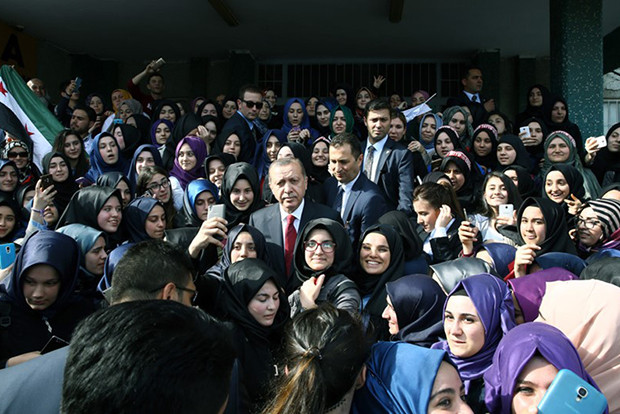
[{"x": 582, "y": 392}]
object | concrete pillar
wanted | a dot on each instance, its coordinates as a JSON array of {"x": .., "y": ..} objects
[
  {"x": 242, "y": 70},
  {"x": 489, "y": 62},
  {"x": 577, "y": 60}
]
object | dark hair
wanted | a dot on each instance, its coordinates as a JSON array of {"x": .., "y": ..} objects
[
  {"x": 347, "y": 138},
  {"x": 152, "y": 75},
  {"x": 148, "y": 356},
  {"x": 395, "y": 113},
  {"x": 147, "y": 266},
  {"x": 437, "y": 195},
  {"x": 514, "y": 197},
  {"x": 90, "y": 112},
  {"x": 378, "y": 104},
  {"x": 468, "y": 68},
  {"x": 59, "y": 146},
  {"x": 249, "y": 88},
  {"x": 324, "y": 351},
  {"x": 283, "y": 162},
  {"x": 144, "y": 177}
]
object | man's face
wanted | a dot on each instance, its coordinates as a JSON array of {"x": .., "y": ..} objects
[
  {"x": 250, "y": 99},
  {"x": 37, "y": 86},
  {"x": 473, "y": 82},
  {"x": 378, "y": 124},
  {"x": 288, "y": 185},
  {"x": 185, "y": 293},
  {"x": 342, "y": 164},
  {"x": 156, "y": 85},
  {"x": 80, "y": 122}
]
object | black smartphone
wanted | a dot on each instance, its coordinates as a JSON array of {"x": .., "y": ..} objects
[
  {"x": 46, "y": 181},
  {"x": 53, "y": 344}
]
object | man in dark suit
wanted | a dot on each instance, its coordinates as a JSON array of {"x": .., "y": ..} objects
[
  {"x": 280, "y": 223},
  {"x": 358, "y": 200},
  {"x": 471, "y": 98},
  {"x": 250, "y": 102},
  {"x": 386, "y": 162}
]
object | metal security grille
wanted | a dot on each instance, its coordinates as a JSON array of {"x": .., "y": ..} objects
[
  {"x": 304, "y": 80},
  {"x": 611, "y": 113}
]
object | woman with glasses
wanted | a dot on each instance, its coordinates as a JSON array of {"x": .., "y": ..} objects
[
  {"x": 154, "y": 182},
  {"x": 18, "y": 152},
  {"x": 322, "y": 260},
  {"x": 598, "y": 228}
]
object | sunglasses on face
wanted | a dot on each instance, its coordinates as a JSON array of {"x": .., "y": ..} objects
[
  {"x": 252, "y": 104},
  {"x": 17, "y": 154}
]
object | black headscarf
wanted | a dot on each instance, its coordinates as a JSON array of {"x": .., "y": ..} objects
[
  {"x": 7, "y": 201},
  {"x": 606, "y": 269},
  {"x": 143, "y": 123},
  {"x": 20, "y": 196},
  {"x": 235, "y": 172},
  {"x": 260, "y": 246},
  {"x": 527, "y": 187},
  {"x": 566, "y": 125},
  {"x": 170, "y": 103},
  {"x": 320, "y": 174},
  {"x": 536, "y": 151},
  {"x": 411, "y": 240},
  {"x": 374, "y": 285},
  {"x": 573, "y": 178},
  {"x": 131, "y": 136},
  {"x": 65, "y": 189},
  {"x": 418, "y": 302},
  {"x": 490, "y": 160},
  {"x": 535, "y": 111},
  {"x": 523, "y": 157},
  {"x": 468, "y": 193},
  {"x": 343, "y": 255},
  {"x": 556, "y": 238},
  {"x": 5, "y": 163},
  {"x": 605, "y": 160}
]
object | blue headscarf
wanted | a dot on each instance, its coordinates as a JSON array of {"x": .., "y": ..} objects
[
  {"x": 399, "y": 379},
  {"x": 192, "y": 191},
  {"x": 110, "y": 264},
  {"x": 305, "y": 121},
  {"x": 134, "y": 217},
  {"x": 98, "y": 166},
  {"x": 85, "y": 236},
  {"x": 133, "y": 175},
  {"x": 261, "y": 159}
]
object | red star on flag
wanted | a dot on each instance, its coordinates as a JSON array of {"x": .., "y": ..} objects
[
  {"x": 29, "y": 133},
  {"x": 2, "y": 90}
]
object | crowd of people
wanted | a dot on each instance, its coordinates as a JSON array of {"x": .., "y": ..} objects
[{"x": 354, "y": 253}]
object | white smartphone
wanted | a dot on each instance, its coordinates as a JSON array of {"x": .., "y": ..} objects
[
  {"x": 217, "y": 210},
  {"x": 526, "y": 131},
  {"x": 506, "y": 210},
  {"x": 601, "y": 141},
  {"x": 158, "y": 63}
]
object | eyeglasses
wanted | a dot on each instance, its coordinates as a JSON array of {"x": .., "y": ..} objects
[
  {"x": 156, "y": 186},
  {"x": 327, "y": 246},
  {"x": 252, "y": 104},
  {"x": 17, "y": 154},
  {"x": 588, "y": 224},
  {"x": 192, "y": 291}
]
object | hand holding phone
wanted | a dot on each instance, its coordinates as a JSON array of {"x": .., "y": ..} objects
[
  {"x": 158, "y": 64},
  {"x": 569, "y": 393},
  {"x": 7, "y": 255},
  {"x": 506, "y": 210},
  {"x": 46, "y": 181},
  {"x": 524, "y": 132}
]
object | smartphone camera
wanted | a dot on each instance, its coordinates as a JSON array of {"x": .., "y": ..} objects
[
  {"x": 581, "y": 393},
  {"x": 8, "y": 249}
]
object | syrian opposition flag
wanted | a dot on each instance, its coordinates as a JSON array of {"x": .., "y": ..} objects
[{"x": 24, "y": 116}]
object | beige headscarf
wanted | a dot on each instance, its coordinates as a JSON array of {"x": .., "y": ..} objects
[{"x": 588, "y": 313}]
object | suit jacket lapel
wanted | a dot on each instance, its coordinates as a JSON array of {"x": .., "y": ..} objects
[
  {"x": 387, "y": 150},
  {"x": 355, "y": 193}
]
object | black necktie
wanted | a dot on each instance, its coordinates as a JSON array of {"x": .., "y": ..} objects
[
  {"x": 338, "y": 200},
  {"x": 474, "y": 98}
]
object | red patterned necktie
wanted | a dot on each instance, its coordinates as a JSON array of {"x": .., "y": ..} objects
[{"x": 289, "y": 242}]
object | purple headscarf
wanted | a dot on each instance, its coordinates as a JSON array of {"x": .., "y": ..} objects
[
  {"x": 516, "y": 350},
  {"x": 493, "y": 303},
  {"x": 169, "y": 124},
  {"x": 530, "y": 289},
  {"x": 200, "y": 151}
]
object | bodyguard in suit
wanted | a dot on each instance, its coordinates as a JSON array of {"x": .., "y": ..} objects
[
  {"x": 358, "y": 200},
  {"x": 386, "y": 162},
  {"x": 280, "y": 223},
  {"x": 249, "y": 103},
  {"x": 470, "y": 96}
]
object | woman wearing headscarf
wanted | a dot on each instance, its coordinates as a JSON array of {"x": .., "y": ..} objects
[
  {"x": 415, "y": 259},
  {"x": 541, "y": 228},
  {"x": 128, "y": 139},
  {"x": 322, "y": 260},
  {"x": 528, "y": 291},
  {"x": 484, "y": 146},
  {"x": 39, "y": 298},
  {"x": 498, "y": 255},
  {"x": 108, "y": 271},
  {"x": 118, "y": 181},
  {"x": 534, "y": 143},
  {"x": 21, "y": 154},
  {"x": 413, "y": 312},
  {"x": 511, "y": 151},
  {"x": 11, "y": 225},
  {"x": 605, "y": 162},
  {"x": 199, "y": 195},
  {"x": 190, "y": 155},
  {"x": 320, "y": 122},
  {"x": 563, "y": 184},
  {"x": 185, "y": 126},
  {"x": 145, "y": 156},
  {"x": 92, "y": 259},
  {"x": 253, "y": 300},
  {"x": 9, "y": 178},
  {"x": 464, "y": 176},
  {"x": 104, "y": 157},
  {"x": 487, "y": 304},
  {"x": 529, "y": 347},
  {"x": 598, "y": 227},
  {"x": 560, "y": 148},
  {"x": 538, "y": 98},
  {"x": 129, "y": 107},
  {"x": 340, "y": 120},
  {"x": 588, "y": 313},
  {"x": 160, "y": 132},
  {"x": 501, "y": 122},
  {"x": 458, "y": 118},
  {"x": 267, "y": 152},
  {"x": 523, "y": 180},
  {"x": 167, "y": 109},
  {"x": 320, "y": 160},
  {"x": 143, "y": 124},
  {"x": 240, "y": 193},
  {"x": 144, "y": 219},
  {"x": 381, "y": 260},
  {"x": 556, "y": 119},
  {"x": 296, "y": 123},
  {"x": 429, "y": 123},
  {"x": 446, "y": 139},
  {"x": 99, "y": 208},
  {"x": 404, "y": 378},
  {"x": 58, "y": 166}
]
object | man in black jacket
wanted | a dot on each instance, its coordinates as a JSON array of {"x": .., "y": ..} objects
[{"x": 470, "y": 96}]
